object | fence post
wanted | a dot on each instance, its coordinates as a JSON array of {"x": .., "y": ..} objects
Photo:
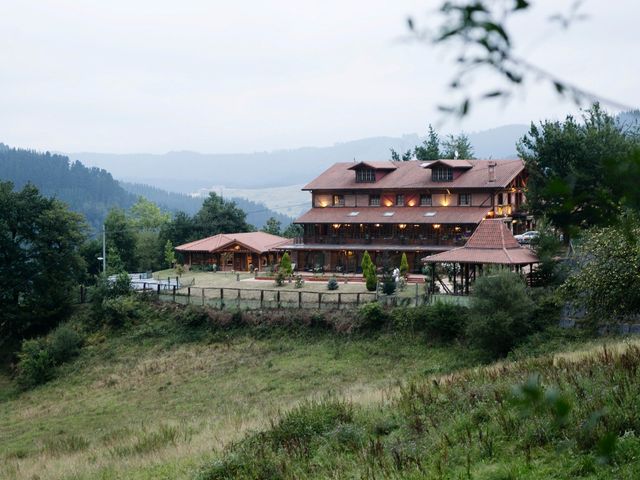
[
  {"x": 319, "y": 301},
  {"x": 222, "y": 299},
  {"x": 358, "y": 299},
  {"x": 238, "y": 299},
  {"x": 416, "y": 294},
  {"x": 158, "y": 290},
  {"x": 188, "y": 295},
  {"x": 144, "y": 287},
  {"x": 261, "y": 297},
  {"x": 174, "y": 294},
  {"x": 299, "y": 299},
  {"x": 203, "y": 297},
  {"x": 278, "y": 298},
  {"x": 339, "y": 300}
]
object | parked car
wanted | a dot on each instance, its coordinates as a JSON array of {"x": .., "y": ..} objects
[{"x": 526, "y": 237}]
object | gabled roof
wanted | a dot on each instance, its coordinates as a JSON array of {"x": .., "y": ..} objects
[
  {"x": 384, "y": 165},
  {"x": 256, "y": 241},
  {"x": 415, "y": 215},
  {"x": 491, "y": 243},
  {"x": 466, "y": 164},
  {"x": 412, "y": 175}
]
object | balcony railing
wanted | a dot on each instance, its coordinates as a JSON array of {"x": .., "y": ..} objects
[{"x": 434, "y": 240}]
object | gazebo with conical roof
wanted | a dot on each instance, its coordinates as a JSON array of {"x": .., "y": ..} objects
[{"x": 491, "y": 244}]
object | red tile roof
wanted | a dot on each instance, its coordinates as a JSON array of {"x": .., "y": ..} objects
[
  {"x": 384, "y": 165},
  {"x": 449, "y": 163},
  {"x": 491, "y": 243},
  {"x": 429, "y": 215},
  {"x": 257, "y": 241},
  {"x": 412, "y": 175}
]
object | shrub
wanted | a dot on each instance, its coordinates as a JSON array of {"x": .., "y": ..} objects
[
  {"x": 372, "y": 316},
  {"x": 301, "y": 424},
  {"x": 332, "y": 284},
  {"x": 299, "y": 282},
  {"x": 366, "y": 264},
  {"x": 117, "y": 312},
  {"x": 285, "y": 264},
  {"x": 279, "y": 279},
  {"x": 388, "y": 283},
  {"x": 441, "y": 320},
  {"x": 35, "y": 365},
  {"x": 371, "y": 280},
  {"x": 404, "y": 265},
  {"x": 192, "y": 316},
  {"x": 64, "y": 344},
  {"x": 499, "y": 313}
]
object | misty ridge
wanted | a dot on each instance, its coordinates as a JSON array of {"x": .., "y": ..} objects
[{"x": 189, "y": 172}]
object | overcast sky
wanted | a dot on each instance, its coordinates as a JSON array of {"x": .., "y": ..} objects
[{"x": 219, "y": 76}]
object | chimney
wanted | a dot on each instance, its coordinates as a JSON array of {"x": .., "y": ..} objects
[{"x": 492, "y": 171}]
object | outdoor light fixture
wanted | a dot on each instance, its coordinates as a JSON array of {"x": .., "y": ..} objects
[
  {"x": 402, "y": 226},
  {"x": 411, "y": 203},
  {"x": 336, "y": 225},
  {"x": 388, "y": 203},
  {"x": 377, "y": 224},
  {"x": 436, "y": 226}
]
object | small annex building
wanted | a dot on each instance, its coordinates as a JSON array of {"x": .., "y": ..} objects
[
  {"x": 492, "y": 243},
  {"x": 234, "y": 251}
]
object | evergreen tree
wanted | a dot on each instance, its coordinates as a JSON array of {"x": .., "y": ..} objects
[
  {"x": 457, "y": 147},
  {"x": 169, "y": 254},
  {"x": 430, "y": 148},
  {"x": 406, "y": 156},
  {"x": 219, "y": 216},
  {"x": 121, "y": 237},
  {"x": 292, "y": 231},
  {"x": 404, "y": 265},
  {"x": 272, "y": 226},
  {"x": 285, "y": 264}
]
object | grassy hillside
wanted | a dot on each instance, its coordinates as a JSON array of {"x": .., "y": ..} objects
[
  {"x": 171, "y": 394},
  {"x": 569, "y": 416},
  {"x": 153, "y": 401}
]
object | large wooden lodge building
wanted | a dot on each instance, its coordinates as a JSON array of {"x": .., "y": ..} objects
[{"x": 417, "y": 208}]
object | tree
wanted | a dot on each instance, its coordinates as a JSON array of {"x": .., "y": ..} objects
[
  {"x": 121, "y": 237},
  {"x": 272, "y": 226},
  {"x": 285, "y": 264},
  {"x": 499, "y": 312},
  {"x": 369, "y": 272},
  {"x": 146, "y": 215},
  {"x": 179, "y": 230},
  {"x": 606, "y": 281},
  {"x": 404, "y": 265},
  {"x": 576, "y": 170},
  {"x": 430, "y": 148},
  {"x": 293, "y": 230},
  {"x": 169, "y": 254},
  {"x": 219, "y": 216},
  {"x": 482, "y": 26},
  {"x": 457, "y": 147},
  {"x": 406, "y": 156},
  {"x": 40, "y": 261}
]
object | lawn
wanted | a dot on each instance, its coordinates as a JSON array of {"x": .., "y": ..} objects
[{"x": 141, "y": 406}]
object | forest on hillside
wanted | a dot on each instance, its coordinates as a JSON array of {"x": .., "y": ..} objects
[{"x": 89, "y": 191}]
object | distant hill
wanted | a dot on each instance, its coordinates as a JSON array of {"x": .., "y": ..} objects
[
  {"x": 93, "y": 191},
  {"x": 89, "y": 191},
  {"x": 257, "y": 213},
  {"x": 190, "y": 171}
]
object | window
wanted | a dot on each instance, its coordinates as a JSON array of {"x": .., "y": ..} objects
[
  {"x": 425, "y": 200},
  {"x": 400, "y": 200},
  {"x": 500, "y": 198},
  {"x": 338, "y": 200},
  {"x": 464, "y": 199},
  {"x": 374, "y": 200},
  {"x": 441, "y": 174},
  {"x": 365, "y": 175}
]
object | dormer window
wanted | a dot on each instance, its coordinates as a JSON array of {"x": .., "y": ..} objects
[
  {"x": 365, "y": 175},
  {"x": 441, "y": 174}
]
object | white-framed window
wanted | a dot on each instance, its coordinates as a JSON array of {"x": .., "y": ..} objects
[
  {"x": 374, "y": 200},
  {"x": 400, "y": 200},
  {"x": 425, "y": 200},
  {"x": 338, "y": 200}
]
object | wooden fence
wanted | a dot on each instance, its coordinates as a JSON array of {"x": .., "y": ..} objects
[{"x": 255, "y": 298}]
